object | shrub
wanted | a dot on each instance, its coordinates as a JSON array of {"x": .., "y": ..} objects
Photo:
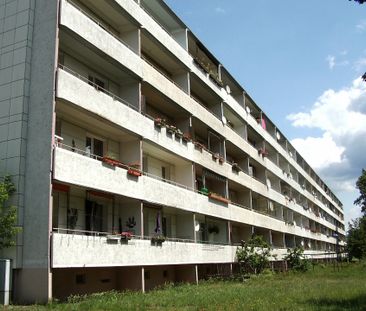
[
  {"x": 296, "y": 259},
  {"x": 253, "y": 256}
]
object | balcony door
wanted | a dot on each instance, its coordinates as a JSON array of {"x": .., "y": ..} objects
[{"x": 94, "y": 146}]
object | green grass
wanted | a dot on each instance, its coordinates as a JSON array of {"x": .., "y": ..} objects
[{"x": 323, "y": 288}]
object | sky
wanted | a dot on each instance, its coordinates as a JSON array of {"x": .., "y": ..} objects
[{"x": 301, "y": 62}]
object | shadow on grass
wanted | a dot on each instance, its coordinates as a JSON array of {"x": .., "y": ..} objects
[{"x": 338, "y": 304}]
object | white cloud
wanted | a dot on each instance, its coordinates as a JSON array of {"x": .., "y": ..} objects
[
  {"x": 319, "y": 151},
  {"x": 339, "y": 152},
  {"x": 220, "y": 10},
  {"x": 361, "y": 26},
  {"x": 331, "y": 61}
]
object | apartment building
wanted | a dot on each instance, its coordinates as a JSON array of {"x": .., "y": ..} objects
[{"x": 120, "y": 128}]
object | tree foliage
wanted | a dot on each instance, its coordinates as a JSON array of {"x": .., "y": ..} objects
[
  {"x": 356, "y": 235},
  {"x": 253, "y": 256},
  {"x": 359, "y": 1},
  {"x": 361, "y": 186},
  {"x": 356, "y": 238},
  {"x": 8, "y": 215},
  {"x": 296, "y": 259}
]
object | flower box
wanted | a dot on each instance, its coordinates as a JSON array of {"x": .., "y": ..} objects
[
  {"x": 217, "y": 197},
  {"x": 134, "y": 172},
  {"x": 186, "y": 137},
  {"x": 112, "y": 162},
  {"x": 171, "y": 129},
  {"x": 126, "y": 235},
  {"x": 198, "y": 146}
]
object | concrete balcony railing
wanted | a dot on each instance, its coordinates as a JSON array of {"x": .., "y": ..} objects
[
  {"x": 74, "y": 250},
  {"x": 77, "y": 169},
  {"x": 71, "y": 250}
]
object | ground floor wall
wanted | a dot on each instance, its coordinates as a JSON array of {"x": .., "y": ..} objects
[{"x": 82, "y": 281}]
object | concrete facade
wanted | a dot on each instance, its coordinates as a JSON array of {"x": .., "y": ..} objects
[{"x": 115, "y": 118}]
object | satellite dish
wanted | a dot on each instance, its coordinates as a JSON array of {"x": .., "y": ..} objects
[
  {"x": 247, "y": 109},
  {"x": 224, "y": 120},
  {"x": 269, "y": 185},
  {"x": 197, "y": 227},
  {"x": 271, "y": 206},
  {"x": 278, "y": 135},
  {"x": 228, "y": 90}
]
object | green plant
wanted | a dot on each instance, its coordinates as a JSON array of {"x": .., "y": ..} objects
[
  {"x": 158, "y": 239},
  {"x": 296, "y": 259},
  {"x": 8, "y": 214},
  {"x": 253, "y": 256}
]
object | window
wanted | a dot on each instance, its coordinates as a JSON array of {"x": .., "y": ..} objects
[
  {"x": 97, "y": 83},
  {"x": 94, "y": 146}
]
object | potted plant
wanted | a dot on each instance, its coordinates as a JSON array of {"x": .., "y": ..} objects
[
  {"x": 157, "y": 240},
  {"x": 215, "y": 156},
  {"x": 178, "y": 133},
  {"x": 204, "y": 191},
  {"x": 221, "y": 159},
  {"x": 131, "y": 223},
  {"x": 171, "y": 129},
  {"x": 159, "y": 122},
  {"x": 235, "y": 167}
]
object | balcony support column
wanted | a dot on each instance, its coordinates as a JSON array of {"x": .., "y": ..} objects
[
  {"x": 142, "y": 219},
  {"x": 196, "y": 273},
  {"x": 143, "y": 279}
]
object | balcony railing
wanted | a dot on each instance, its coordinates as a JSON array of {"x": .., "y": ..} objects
[
  {"x": 126, "y": 166},
  {"x": 97, "y": 87},
  {"x": 100, "y": 24}
]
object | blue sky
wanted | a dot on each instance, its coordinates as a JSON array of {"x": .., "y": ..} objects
[{"x": 301, "y": 62}]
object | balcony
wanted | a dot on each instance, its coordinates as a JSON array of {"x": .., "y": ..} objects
[{"x": 75, "y": 250}]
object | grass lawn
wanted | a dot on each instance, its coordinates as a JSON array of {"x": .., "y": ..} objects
[{"x": 323, "y": 288}]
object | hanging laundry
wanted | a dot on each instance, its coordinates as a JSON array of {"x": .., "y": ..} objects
[{"x": 264, "y": 125}]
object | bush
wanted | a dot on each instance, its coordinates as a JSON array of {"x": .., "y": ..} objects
[
  {"x": 253, "y": 256},
  {"x": 296, "y": 260}
]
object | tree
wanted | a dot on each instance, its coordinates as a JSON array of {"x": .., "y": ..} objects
[
  {"x": 359, "y": 1},
  {"x": 8, "y": 215},
  {"x": 356, "y": 235},
  {"x": 253, "y": 255},
  {"x": 361, "y": 186},
  {"x": 356, "y": 238}
]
